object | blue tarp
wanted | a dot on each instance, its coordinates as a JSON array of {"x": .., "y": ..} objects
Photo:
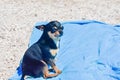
[{"x": 89, "y": 50}]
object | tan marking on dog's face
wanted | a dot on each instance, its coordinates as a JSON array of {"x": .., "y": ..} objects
[
  {"x": 51, "y": 35},
  {"x": 54, "y": 51},
  {"x": 57, "y": 33}
]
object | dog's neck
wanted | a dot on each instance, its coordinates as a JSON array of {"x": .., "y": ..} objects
[
  {"x": 47, "y": 41},
  {"x": 56, "y": 41}
]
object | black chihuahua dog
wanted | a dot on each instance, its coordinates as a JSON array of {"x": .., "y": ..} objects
[{"x": 42, "y": 53}]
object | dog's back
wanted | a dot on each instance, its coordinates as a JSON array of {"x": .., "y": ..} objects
[{"x": 31, "y": 64}]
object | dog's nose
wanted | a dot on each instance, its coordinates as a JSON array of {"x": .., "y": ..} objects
[{"x": 61, "y": 32}]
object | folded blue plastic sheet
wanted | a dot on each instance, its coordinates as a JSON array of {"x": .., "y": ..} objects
[{"x": 89, "y": 50}]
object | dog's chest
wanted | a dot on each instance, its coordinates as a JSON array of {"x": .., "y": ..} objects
[{"x": 54, "y": 51}]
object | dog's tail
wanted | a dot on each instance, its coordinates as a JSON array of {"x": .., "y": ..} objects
[{"x": 22, "y": 78}]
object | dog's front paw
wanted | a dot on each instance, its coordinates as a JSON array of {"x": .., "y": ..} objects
[{"x": 59, "y": 71}]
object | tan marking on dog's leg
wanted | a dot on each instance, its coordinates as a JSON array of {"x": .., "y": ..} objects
[
  {"x": 26, "y": 77},
  {"x": 56, "y": 69},
  {"x": 46, "y": 73}
]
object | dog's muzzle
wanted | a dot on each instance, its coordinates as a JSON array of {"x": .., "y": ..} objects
[{"x": 59, "y": 33}]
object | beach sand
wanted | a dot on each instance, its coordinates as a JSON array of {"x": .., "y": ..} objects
[{"x": 17, "y": 18}]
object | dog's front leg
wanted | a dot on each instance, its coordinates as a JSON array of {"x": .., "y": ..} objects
[
  {"x": 54, "y": 67},
  {"x": 46, "y": 73}
]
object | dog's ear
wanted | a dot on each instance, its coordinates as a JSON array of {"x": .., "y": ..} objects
[{"x": 41, "y": 27}]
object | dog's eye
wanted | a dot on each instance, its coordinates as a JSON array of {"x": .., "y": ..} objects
[{"x": 55, "y": 28}]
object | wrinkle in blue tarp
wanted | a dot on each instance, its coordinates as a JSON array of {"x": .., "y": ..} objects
[{"x": 90, "y": 50}]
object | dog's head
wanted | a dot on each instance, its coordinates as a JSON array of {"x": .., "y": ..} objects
[{"x": 53, "y": 29}]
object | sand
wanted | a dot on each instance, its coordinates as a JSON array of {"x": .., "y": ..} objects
[{"x": 17, "y": 18}]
